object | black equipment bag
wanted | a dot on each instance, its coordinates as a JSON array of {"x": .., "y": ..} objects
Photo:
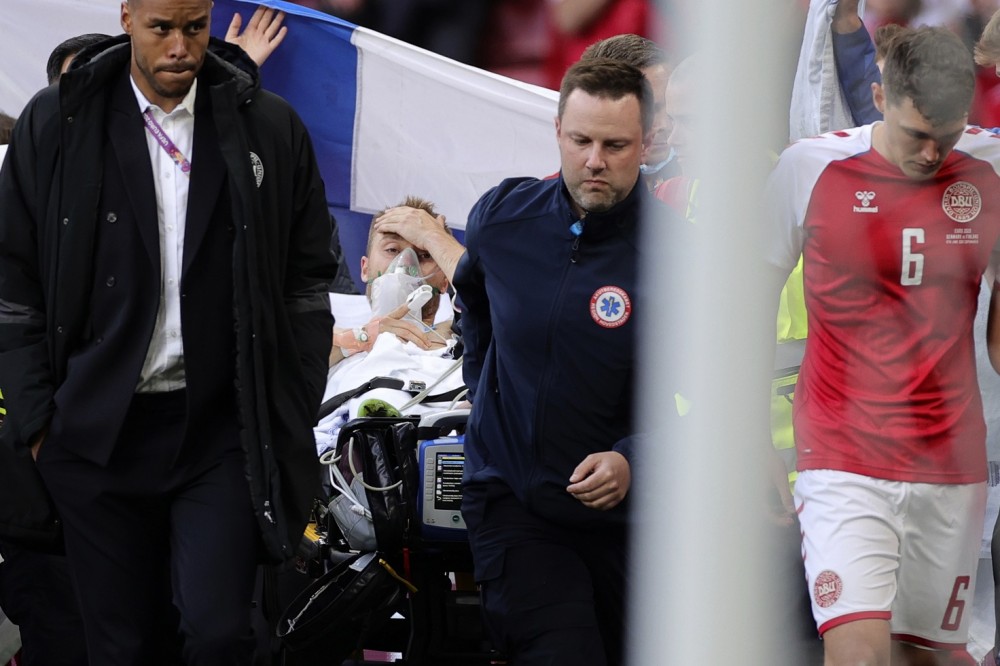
[
  {"x": 386, "y": 450},
  {"x": 334, "y": 616}
]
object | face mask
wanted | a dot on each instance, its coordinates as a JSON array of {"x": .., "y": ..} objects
[{"x": 390, "y": 289}]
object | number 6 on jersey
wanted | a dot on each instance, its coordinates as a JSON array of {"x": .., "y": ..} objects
[{"x": 913, "y": 262}]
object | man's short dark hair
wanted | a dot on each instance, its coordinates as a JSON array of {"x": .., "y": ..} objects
[
  {"x": 631, "y": 49},
  {"x": 933, "y": 68},
  {"x": 608, "y": 79},
  {"x": 72, "y": 46}
]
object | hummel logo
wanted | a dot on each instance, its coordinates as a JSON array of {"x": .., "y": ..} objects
[{"x": 865, "y": 198}]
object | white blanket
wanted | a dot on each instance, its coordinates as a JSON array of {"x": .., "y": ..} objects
[{"x": 390, "y": 357}]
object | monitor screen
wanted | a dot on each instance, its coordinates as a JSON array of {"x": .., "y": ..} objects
[{"x": 448, "y": 481}]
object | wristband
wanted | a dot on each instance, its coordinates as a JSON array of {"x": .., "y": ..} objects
[
  {"x": 371, "y": 332},
  {"x": 350, "y": 341},
  {"x": 359, "y": 338}
]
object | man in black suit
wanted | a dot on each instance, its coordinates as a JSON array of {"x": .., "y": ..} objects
[{"x": 164, "y": 330}]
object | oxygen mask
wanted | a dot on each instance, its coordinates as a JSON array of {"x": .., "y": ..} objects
[{"x": 401, "y": 277}]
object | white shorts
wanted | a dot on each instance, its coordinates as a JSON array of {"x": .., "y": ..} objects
[{"x": 892, "y": 550}]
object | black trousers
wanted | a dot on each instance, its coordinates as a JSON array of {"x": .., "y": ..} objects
[
  {"x": 162, "y": 542},
  {"x": 551, "y": 594},
  {"x": 36, "y": 593}
]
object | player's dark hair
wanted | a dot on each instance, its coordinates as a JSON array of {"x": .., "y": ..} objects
[{"x": 933, "y": 68}]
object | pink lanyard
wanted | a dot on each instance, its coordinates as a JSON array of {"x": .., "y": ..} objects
[{"x": 166, "y": 143}]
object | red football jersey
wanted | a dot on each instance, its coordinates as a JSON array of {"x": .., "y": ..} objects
[{"x": 892, "y": 273}]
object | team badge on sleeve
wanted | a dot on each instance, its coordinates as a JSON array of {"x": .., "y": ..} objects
[
  {"x": 961, "y": 201},
  {"x": 610, "y": 307}
]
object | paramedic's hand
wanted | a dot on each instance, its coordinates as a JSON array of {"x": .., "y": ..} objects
[
  {"x": 601, "y": 481},
  {"x": 784, "y": 512},
  {"x": 263, "y": 34}
]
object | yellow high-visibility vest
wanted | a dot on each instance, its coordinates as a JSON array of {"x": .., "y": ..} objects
[{"x": 792, "y": 324}]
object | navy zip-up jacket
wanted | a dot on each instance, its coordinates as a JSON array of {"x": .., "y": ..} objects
[{"x": 550, "y": 327}]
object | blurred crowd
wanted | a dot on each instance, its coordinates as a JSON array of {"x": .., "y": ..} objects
[
  {"x": 536, "y": 40},
  {"x": 966, "y": 18},
  {"x": 530, "y": 40}
]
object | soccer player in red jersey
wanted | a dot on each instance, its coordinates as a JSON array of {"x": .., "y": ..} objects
[{"x": 896, "y": 221}]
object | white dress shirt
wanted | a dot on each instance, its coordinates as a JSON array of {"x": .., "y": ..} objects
[{"x": 163, "y": 369}]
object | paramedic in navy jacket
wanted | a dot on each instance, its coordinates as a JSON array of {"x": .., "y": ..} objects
[{"x": 549, "y": 286}]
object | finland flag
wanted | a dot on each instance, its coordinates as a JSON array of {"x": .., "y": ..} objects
[{"x": 387, "y": 119}]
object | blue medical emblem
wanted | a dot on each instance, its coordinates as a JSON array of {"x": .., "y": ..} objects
[{"x": 610, "y": 307}]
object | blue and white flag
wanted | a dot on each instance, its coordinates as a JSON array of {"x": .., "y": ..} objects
[{"x": 387, "y": 119}]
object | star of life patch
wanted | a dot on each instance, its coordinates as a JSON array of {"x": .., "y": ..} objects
[{"x": 610, "y": 307}]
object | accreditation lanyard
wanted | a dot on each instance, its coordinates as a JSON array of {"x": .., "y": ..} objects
[{"x": 166, "y": 143}]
